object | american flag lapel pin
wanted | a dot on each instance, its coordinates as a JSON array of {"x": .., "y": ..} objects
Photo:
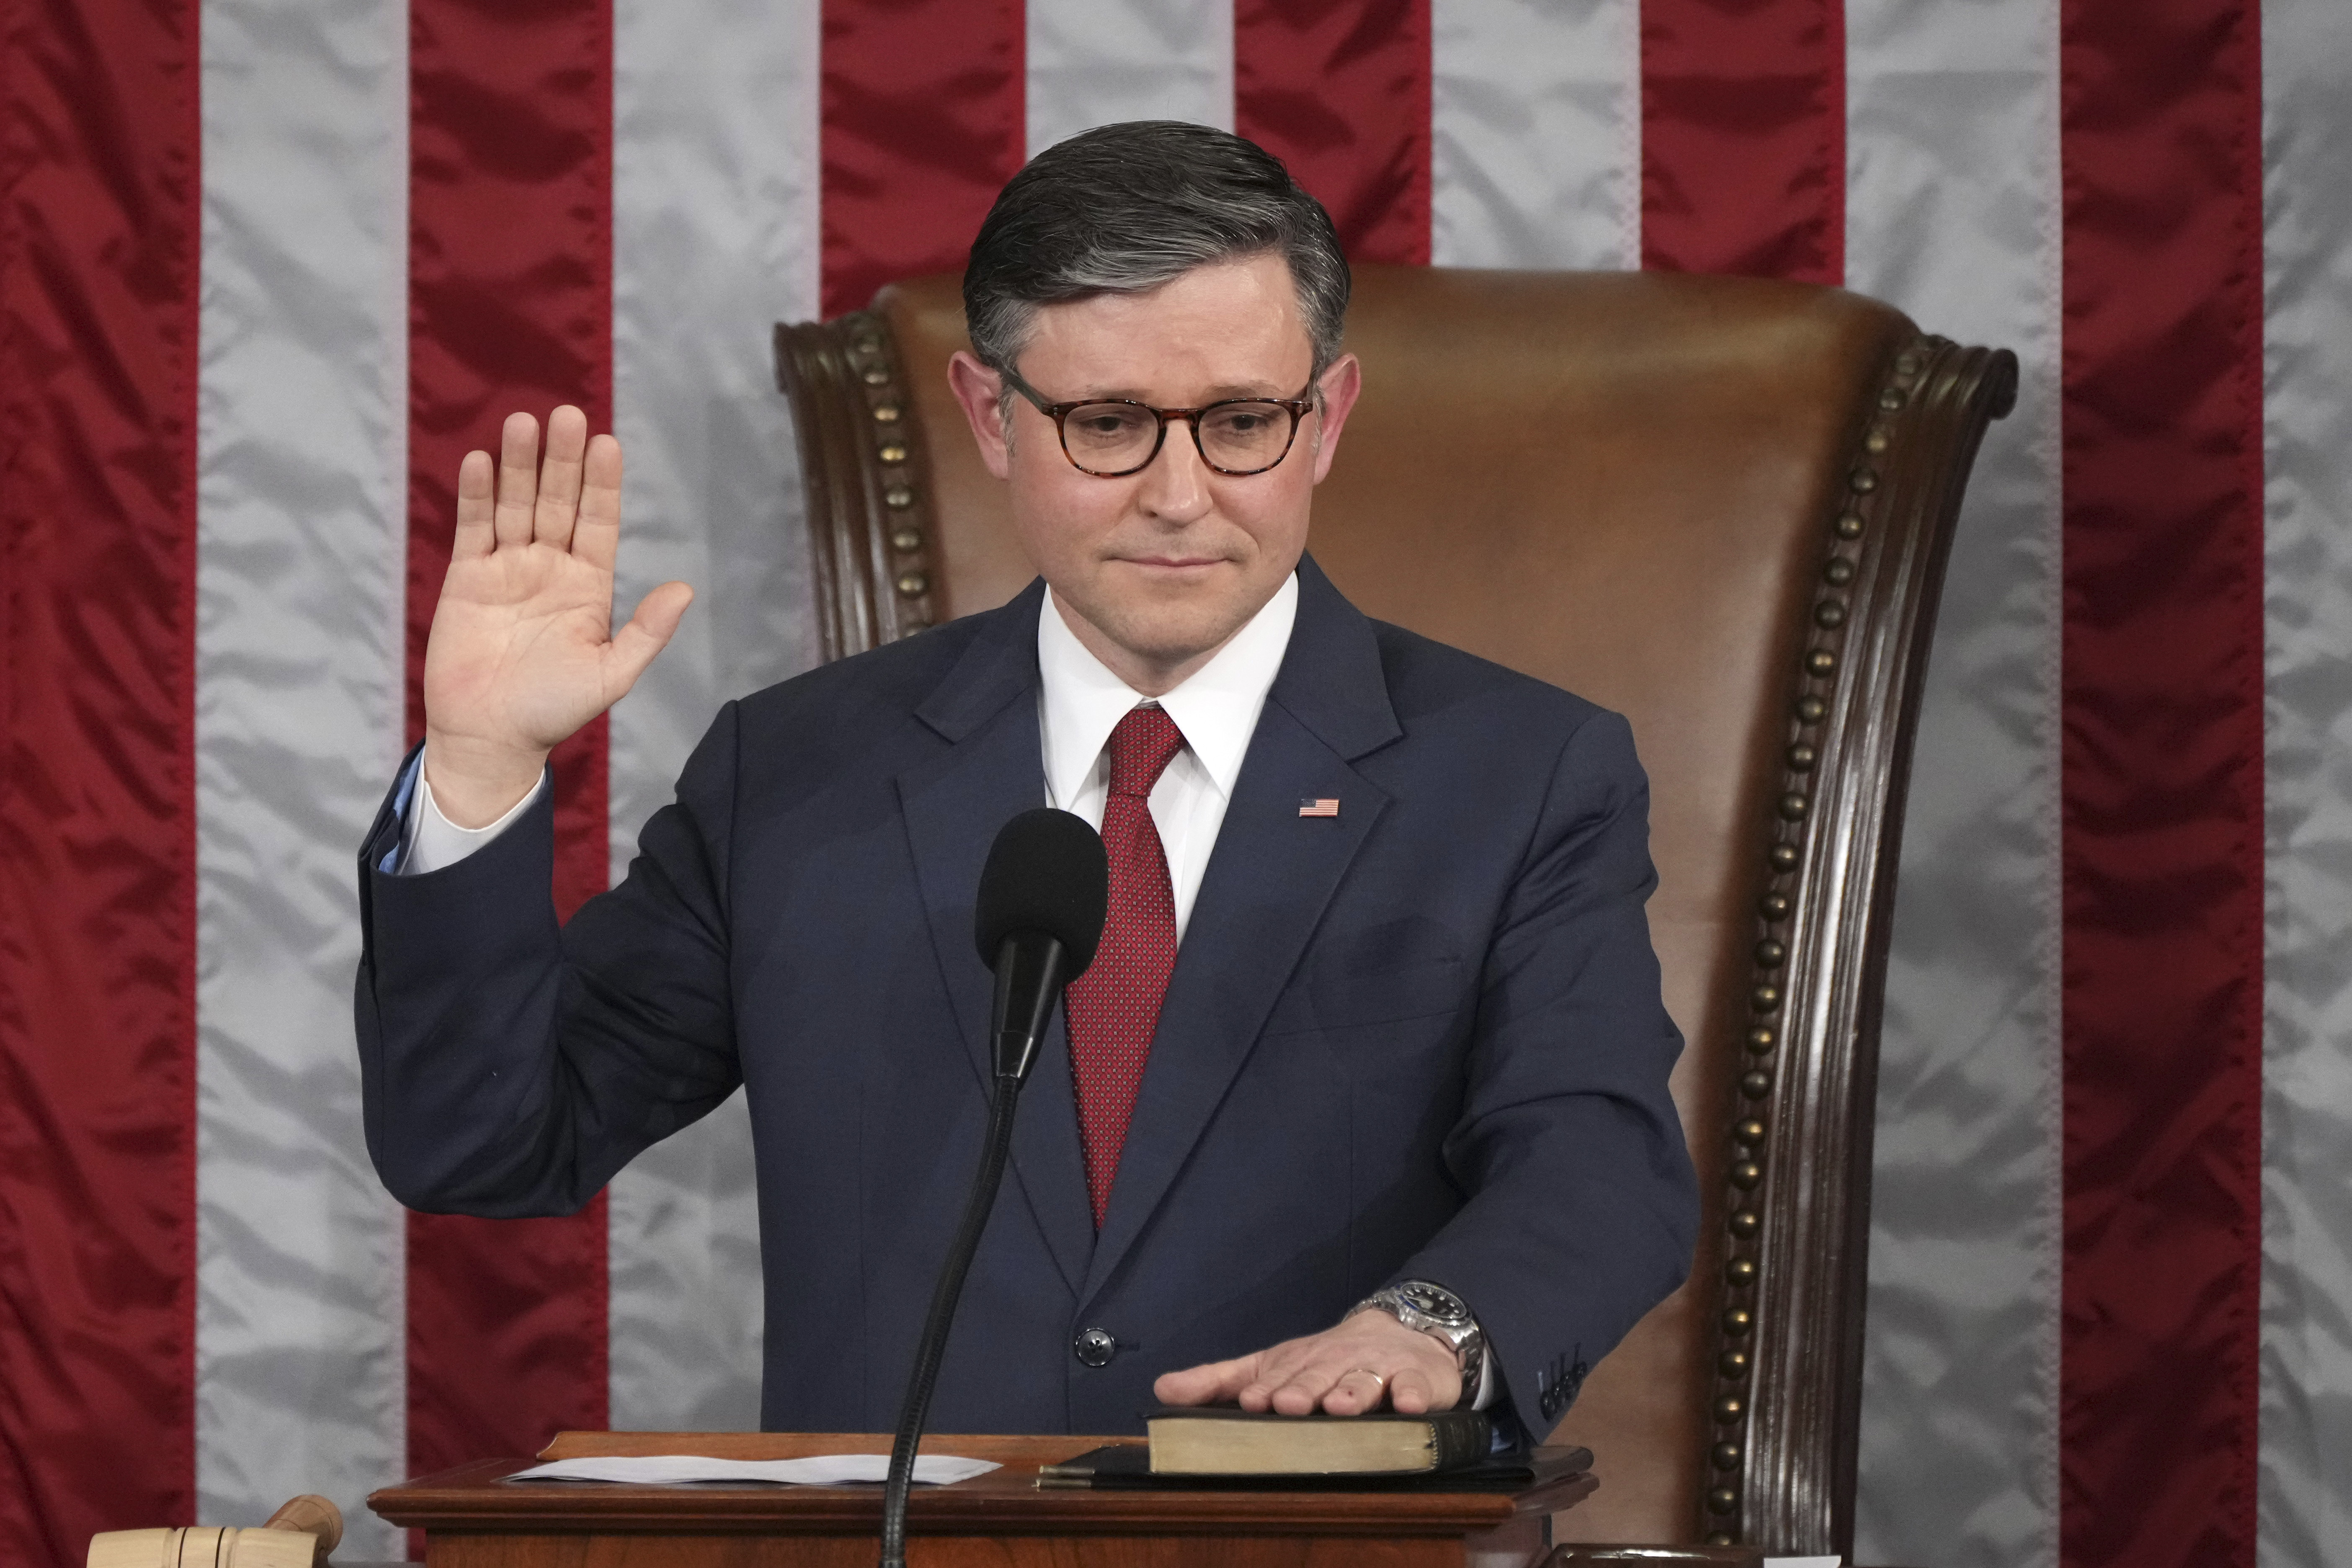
[{"x": 1324, "y": 807}]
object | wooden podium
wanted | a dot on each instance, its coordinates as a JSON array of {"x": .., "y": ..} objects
[{"x": 474, "y": 1518}]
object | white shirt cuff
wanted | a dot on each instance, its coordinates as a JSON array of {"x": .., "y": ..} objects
[
  {"x": 432, "y": 843},
  {"x": 1486, "y": 1395}
]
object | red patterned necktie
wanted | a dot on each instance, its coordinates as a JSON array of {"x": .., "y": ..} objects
[{"x": 1114, "y": 1007}]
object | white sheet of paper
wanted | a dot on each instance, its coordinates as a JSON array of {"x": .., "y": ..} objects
[
  {"x": 821, "y": 1470},
  {"x": 1803, "y": 1561}
]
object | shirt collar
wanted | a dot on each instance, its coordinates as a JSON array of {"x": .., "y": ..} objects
[{"x": 1216, "y": 707}]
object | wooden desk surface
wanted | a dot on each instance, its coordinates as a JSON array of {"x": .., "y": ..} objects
[{"x": 477, "y": 1497}]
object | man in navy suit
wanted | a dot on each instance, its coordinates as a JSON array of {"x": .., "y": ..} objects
[{"x": 1366, "y": 1100}]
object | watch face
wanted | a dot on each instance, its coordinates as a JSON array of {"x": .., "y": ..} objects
[{"x": 1438, "y": 1304}]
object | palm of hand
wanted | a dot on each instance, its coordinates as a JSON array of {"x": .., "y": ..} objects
[{"x": 522, "y": 652}]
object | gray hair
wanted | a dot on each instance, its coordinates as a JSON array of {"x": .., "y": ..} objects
[{"x": 1125, "y": 208}]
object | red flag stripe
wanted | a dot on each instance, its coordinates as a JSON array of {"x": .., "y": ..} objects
[
  {"x": 922, "y": 121},
  {"x": 1743, "y": 138},
  {"x": 2162, "y": 782},
  {"x": 98, "y": 236},
  {"x": 509, "y": 307},
  {"x": 1339, "y": 91}
]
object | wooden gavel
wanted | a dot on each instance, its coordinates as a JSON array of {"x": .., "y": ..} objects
[{"x": 299, "y": 1535}]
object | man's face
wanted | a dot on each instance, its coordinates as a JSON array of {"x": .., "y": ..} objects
[{"x": 1156, "y": 569}]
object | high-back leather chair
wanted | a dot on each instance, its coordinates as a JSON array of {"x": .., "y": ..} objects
[{"x": 1719, "y": 506}]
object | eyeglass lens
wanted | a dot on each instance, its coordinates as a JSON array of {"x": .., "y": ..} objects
[{"x": 1114, "y": 437}]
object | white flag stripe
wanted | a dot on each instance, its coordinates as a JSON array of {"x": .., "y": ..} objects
[
  {"x": 1953, "y": 214},
  {"x": 300, "y": 551},
  {"x": 1095, "y": 62},
  {"x": 2306, "y": 1360},
  {"x": 714, "y": 240},
  {"x": 1536, "y": 134}
]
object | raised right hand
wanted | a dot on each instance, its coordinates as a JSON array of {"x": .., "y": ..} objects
[{"x": 522, "y": 652}]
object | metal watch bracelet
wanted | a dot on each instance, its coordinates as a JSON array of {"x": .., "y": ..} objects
[{"x": 1433, "y": 1309}]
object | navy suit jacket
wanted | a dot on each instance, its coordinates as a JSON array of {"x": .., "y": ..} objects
[{"x": 1422, "y": 1040}]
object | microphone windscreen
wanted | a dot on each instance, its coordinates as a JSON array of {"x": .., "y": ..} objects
[{"x": 1047, "y": 873}]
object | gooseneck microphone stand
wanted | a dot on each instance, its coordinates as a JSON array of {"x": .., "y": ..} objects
[
  {"x": 992, "y": 1153},
  {"x": 1038, "y": 920},
  {"x": 1031, "y": 969}
]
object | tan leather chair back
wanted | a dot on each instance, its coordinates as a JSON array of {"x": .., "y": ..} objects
[{"x": 1719, "y": 506}]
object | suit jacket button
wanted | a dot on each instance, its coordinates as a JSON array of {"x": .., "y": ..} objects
[{"x": 1095, "y": 1347}]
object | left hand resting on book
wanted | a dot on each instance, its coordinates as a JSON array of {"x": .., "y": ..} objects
[{"x": 1344, "y": 1371}]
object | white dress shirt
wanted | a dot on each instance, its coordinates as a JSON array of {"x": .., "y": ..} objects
[
  {"x": 1080, "y": 702},
  {"x": 431, "y": 841}
]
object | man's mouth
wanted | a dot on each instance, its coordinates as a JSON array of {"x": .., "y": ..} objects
[{"x": 1172, "y": 563}]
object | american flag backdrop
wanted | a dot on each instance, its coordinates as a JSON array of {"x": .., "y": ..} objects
[{"x": 268, "y": 267}]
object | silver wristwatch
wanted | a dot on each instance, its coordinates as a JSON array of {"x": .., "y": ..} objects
[{"x": 1434, "y": 1310}]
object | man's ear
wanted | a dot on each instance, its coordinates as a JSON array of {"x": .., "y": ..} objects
[
  {"x": 1338, "y": 387},
  {"x": 980, "y": 392}
]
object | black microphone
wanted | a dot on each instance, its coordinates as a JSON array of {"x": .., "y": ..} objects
[{"x": 1042, "y": 897}]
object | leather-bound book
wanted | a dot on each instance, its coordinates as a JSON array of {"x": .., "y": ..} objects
[
  {"x": 1220, "y": 1440},
  {"x": 1129, "y": 1466}
]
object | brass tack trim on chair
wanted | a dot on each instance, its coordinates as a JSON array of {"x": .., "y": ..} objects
[
  {"x": 863, "y": 474},
  {"x": 1880, "y": 520},
  {"x": 912, "y": 581},
  {"x": 1746, "y": 1173}
]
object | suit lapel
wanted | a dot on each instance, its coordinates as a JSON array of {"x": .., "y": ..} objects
[
  {"x": 1049, "y": 1163},
  {"x": 1269, "y": 879},
  {"x": 953, "y": 804}
]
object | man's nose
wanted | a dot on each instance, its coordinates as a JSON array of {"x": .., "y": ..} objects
[{"x": 1176, "y": 484}]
